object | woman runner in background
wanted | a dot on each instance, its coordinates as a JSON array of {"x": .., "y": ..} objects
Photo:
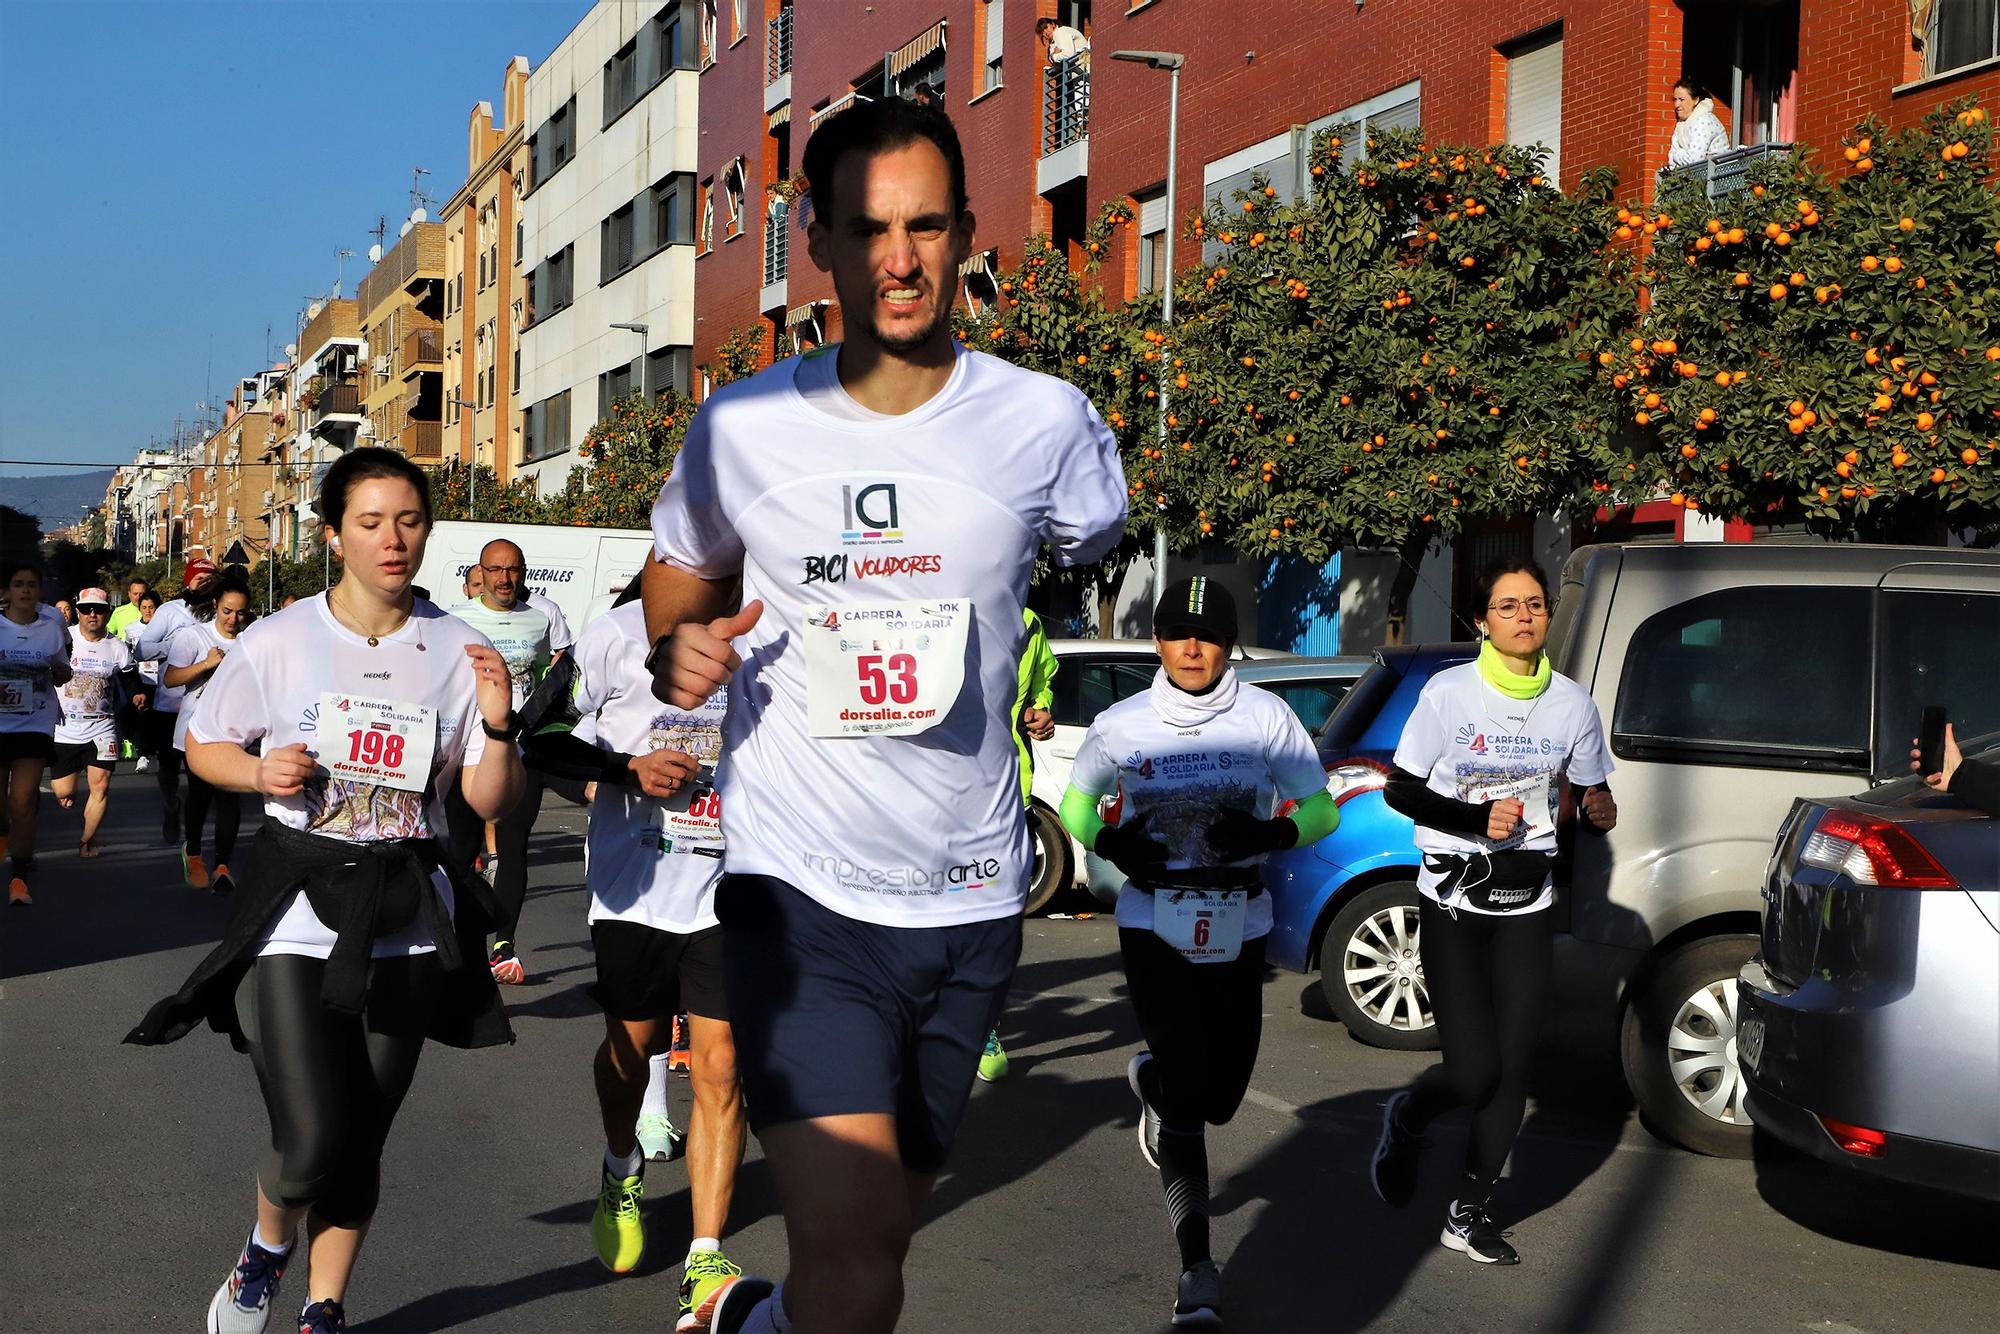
[
  {"x": 193, "y": 655},
  {"x": 34, "y": 660}
]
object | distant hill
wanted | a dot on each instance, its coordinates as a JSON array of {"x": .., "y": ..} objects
[{"x": 56, "y": 497}]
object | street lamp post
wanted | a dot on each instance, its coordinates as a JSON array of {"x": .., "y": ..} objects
[
  {"x": 1170, "y": 61},
  {"x": 472, "y": 474},
  {"x": 642, "y": 330}
]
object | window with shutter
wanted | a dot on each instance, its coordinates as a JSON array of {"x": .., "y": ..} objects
[{"x": 1534, "y": 98}]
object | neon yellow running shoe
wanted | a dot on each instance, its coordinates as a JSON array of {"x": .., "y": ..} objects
[
  {"x": 993, "y": 1061},
  {"x": 709, "y": 1275},
  {"x": 616, "y": 1227}
]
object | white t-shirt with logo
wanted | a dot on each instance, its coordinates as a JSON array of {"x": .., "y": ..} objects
[
  {"x": 646, "y": 861},
  {"x": 149, "y": 669},
  {"x": 27, "y": 654},
  {"x": 1474, "y": 744},
  {"x": 269, "y": 689},
  {"x": 560, "y": 639},
  {"x": 949, "y": 502},
  {"x": 89, "y": 699},
  {"x": 521, "y": 635},
  {"x": 1253, "y": 756},
  {"x": 190, "y": 645}
]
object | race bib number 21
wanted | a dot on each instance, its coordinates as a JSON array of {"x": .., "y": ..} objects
[{"x": 883, "y": 668}]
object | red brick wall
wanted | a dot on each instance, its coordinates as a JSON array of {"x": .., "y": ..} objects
[{"x": 1853, "y": 57}]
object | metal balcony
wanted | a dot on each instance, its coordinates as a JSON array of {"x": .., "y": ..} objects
[
  {"x": 423, "y": 350},
  {"x": 778, "y": 48},
  {"x": 337, "y": 404},
  {"x": 1725, "y": 173},
  {"x": 1065, "y": 104}
]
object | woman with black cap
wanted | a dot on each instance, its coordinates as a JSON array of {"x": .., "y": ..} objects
[
  {"x": 350, "y": 943},
  {"x": 1195, "y": 772}
]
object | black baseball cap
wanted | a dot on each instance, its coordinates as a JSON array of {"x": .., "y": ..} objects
[{"x": 1198, "y": 604}]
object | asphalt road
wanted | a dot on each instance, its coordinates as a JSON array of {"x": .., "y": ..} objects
[{"x": 125, "y": 1185}]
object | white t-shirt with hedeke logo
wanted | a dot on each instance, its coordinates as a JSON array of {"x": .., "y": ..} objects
[
  {"x": 27, "y": 690},
  {"x": 1475, "y": 744},
  {"x": 906, "y": 821},
  {"x": 89, "y": 699},
  {"x": 1253, "y": 756},
  {"x": 652, "y": 862},
  {"x": 190, "y": 645},
  {"x": 273, "y": 687}
]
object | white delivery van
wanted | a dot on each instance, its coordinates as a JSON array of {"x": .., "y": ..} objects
[{"x": 582, "y": 570}]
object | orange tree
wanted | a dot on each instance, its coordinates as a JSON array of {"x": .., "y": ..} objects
[
  {"x": 1825, "y": 346},
  {"x": 1404, "y": 348},
  {"x": 625, "y": 459},
  {"x": 455, "y": 488}
]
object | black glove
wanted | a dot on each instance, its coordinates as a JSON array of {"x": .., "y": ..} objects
[
  {"x": 1130, "y": 846},
  {"x": 1235, "y": 835}
]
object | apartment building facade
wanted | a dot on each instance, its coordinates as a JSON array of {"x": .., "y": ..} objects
[
  {"x": 484, "y": 289},
  {"x": 323, "y": 406},
  {"x": 401, "y": 305},
  {"x": 607, "y": 234}
]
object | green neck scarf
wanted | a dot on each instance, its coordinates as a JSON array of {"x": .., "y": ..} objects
[{"x": 1494, "y": 669}]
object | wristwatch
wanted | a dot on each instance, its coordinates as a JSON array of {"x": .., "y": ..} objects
[{"x": 657, "y": 654}]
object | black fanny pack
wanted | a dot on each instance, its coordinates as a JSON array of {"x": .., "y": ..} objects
[
  {"x": 1245, "y": 878},
  {"x": 1497, "y": 882}
]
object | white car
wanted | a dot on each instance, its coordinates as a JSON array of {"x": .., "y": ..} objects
[{"x": 1091, "y": 675}]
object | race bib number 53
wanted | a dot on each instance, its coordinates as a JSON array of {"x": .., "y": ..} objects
[
  {"x": 883, "y": 668},
  {"x": 377, "y": 741}
]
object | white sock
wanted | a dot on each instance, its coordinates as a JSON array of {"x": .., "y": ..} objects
[
  {"x": 655, "y": 1103},
  {"x": 703, "y": 1244},
  {"x": 275, "y": 1248},
  {"x": 768, "y": 1316},
  {"x": 629, "y": 1165}
]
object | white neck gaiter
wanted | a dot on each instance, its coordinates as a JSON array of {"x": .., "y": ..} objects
[{"x": 1177, "y": 708}]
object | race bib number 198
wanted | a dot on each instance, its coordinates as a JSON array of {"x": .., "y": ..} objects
[
  {"x": 377, "y": 741},
  {"x": 883, "y": 668}
]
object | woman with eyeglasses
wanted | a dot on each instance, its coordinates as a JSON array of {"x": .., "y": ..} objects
[{"x": 1481, "y": 768}]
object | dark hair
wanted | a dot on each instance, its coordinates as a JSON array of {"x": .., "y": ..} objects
[
  {"x": 360, "y": 465},
  {"x": 1694, "y": 90},
  {"x": 204, "y": 600},
  {"x": 1046, "y": 22},
  {"x": 144, "y": 587},
  {"x": 877, "y": 127},
  {"x": 148, "y": 595},
  {"x": 1506, "y": 565},
  {"x": 10, "y": 568}
]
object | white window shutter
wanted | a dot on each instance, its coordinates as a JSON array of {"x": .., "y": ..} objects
[{"x": 1534, "y": 100}]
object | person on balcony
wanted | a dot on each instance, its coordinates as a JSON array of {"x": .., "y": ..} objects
[
  {"x": 1063, "y": 42},
  {"x": 1699, "y": 135}
]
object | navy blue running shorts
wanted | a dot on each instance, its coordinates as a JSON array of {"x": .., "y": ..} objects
[
  {"x": 644, "y": 973},
  {"x": 834, "y": 1017}
]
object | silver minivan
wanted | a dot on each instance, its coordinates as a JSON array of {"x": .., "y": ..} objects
[{"x": 1734, "y": 678}]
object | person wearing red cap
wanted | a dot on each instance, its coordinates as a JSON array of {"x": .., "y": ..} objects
[
  {"x": 150, "y": 645},
  {"x": 86, "y": 737}
]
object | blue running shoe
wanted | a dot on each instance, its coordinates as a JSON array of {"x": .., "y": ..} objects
[
  {"x": 242, "y": 1305},
  {"x": 327, "y": 1317}
]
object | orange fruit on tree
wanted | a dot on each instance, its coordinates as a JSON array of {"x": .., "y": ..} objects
[
  {"x": 1722, "y": 379},
  {"x": 1642, "y": 417},
  {"x": 1937, "y": 476},
  {"x": 1742, "y": 280},
  {"x": 1688, "y": 451},
  {"x": 1797, "y": 407},
  {"x": 1907, "y": 224},
  {"x": 1968, "y": 456},
  {"x": 1809, "y": 417},
  {"x": 1652, "y": 400},
  {"x": 1893, "y": 264},
  {"x": 1869, "y": 263},
  {"x": 1708, "y": 414}
]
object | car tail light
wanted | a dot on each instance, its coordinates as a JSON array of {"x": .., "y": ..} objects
[
  {"x": 1352, "y": 777},
  {"x": 1871, "y": 851},
  {"x": 1857, "y": 1140}
]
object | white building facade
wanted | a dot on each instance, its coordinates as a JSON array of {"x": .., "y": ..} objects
[{"x": 608, "y": 224}]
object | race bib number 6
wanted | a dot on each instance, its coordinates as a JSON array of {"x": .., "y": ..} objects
[
  {"x": 883, "y": 668},
  {"x": 377, "y": 741}
]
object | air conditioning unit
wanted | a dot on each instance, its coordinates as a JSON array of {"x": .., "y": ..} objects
[
  {"x": 268, "y": 497},
  {"x": 382, "y": 364}
]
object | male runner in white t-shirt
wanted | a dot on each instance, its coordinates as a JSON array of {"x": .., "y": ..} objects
[{"x": 882, "y": 504}]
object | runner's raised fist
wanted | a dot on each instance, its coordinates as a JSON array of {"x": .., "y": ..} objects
[{"x": 699, "y": 658}]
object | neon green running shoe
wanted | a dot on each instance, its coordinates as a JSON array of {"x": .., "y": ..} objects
[
  {"x": 616, "y": 1227},
  {"x": 709, "y": 1275},
  {"x": 993, "y": 1062}
]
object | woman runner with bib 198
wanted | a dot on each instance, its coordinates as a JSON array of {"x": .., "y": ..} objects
[
  {"x": 1480, "y": 768},
  {"x": 1199, "y": 767},
  {"x": 349, "y": 943}
]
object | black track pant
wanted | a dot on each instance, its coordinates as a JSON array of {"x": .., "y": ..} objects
[
  {"x": 1488, "y": 978},
  {"x": 228, "y": 807},
  {"x": 333, "y": 1082},
  {"x": 510, "y": 841},
  {"x": 1201, "y": 1021},
  {"x": 158, "y": 729}
]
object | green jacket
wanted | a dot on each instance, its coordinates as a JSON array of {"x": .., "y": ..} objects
[
  {"x": 122, "y": 615},
  {"x": 1037, "y": 690}
]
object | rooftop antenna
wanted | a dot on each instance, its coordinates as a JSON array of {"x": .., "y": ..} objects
[
  {"x": 418, "y": 199},
  {"x": 340, "y": 270},
  {"x": 380, "y": 229}
]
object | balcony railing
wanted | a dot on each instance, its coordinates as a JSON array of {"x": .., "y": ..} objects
[
  {"x": 1065, "y": 104},
  {"x": 422, "y": 440},
  {"x": 1725, "y": 173},
  {"x": 423, "y": 349},
  {"x": 337, "y": 400},
  {"x": 777, "y": 240},
  {"x": 778, "y": 48}
]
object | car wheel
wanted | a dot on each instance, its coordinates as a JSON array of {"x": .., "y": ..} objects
[
  {"x": 1371, "y": 968},
  {"x": 1678, "y": 1048},
  {"x": 1052, "y": 868}
]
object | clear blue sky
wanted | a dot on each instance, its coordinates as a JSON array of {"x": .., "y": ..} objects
[{"x": 178, "y": 174}]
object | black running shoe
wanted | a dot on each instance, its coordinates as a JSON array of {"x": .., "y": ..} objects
[
  {"x": 1149, "y": 1120},
  {"x": 1470, "y": 1229},
  {"x": 1393, "y": 1170}
]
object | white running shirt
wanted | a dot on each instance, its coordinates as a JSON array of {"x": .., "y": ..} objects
[
  {"x": 951, "y": 501},
  {"x": 521, "y": 635},
  {"x": 1474, "y": 744},
  {"x": 269, "y": 689},
  {"x": 27, "y": 652},
  {"x": 644, "y": 860},
  {"x": 190, "y": 645},
  {"x": 89, "y": 699},
  {"x": 1251, "y": 756}
]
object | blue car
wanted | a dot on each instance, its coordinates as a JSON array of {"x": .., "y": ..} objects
[{"x": 1348, "y": 903}]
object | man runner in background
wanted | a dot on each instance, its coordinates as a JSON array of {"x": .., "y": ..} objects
[{"x": 877, "y": 859}]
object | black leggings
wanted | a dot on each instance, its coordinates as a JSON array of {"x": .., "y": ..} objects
[
  {"x": 201, "y": 795},
  {"x": 1488, "y": 979},
  {"x": 158, "y": 732},
  {"x": 333, "y": 1082},
  {"x": 510, "y": 843},
  {"x": 1201, "y": 1021}
]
